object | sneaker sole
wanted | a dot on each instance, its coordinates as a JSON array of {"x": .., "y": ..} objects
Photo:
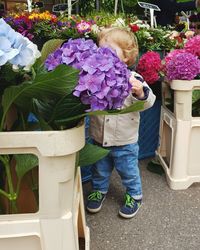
[
  {"x": 129, "y": 216},
  {"x": 95, "y": 210}
]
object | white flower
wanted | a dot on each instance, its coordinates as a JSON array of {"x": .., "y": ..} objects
[
  {"x": 141, "y": 24},
  {"x": 174, "y": 34},
  {"x": 144, "y": 25},
  {"x": 138, "y": 22},
  {"x": 119, "y": 22},
  {"x": 15, "y": 68},
  {"x": 147, "y": 34},
  {"x": 189, "y": 34},
  {"x": 95, "y": 28}
]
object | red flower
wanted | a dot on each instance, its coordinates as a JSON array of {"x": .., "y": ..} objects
[{"x": 134, "y": 27}]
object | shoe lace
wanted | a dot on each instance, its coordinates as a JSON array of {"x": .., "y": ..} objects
[
  {"x": 95, "y": 196},
  {"x": 129, "y": 201}
]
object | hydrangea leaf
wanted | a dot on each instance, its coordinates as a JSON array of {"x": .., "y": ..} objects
[
  {"x": 24, "y": 163},
  {"x": 91, "y": 154},
  {"x": 49, "y": 47},
  {"x": 138, "y": 106},
  {"x": 58, "y": 82}
]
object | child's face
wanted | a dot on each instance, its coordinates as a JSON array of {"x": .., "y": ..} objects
[{"x": 110, "y": 44}]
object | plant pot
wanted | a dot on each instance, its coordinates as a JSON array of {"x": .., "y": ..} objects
[
  {"x": 180, "y": 137},
  {"x": 55, "y": 224}
]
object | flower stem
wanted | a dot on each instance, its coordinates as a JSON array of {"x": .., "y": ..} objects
[
  {"x": 12, "y": 196},
  {"x": 7, "y": 195},
  {"x": 23, "y": 121}
]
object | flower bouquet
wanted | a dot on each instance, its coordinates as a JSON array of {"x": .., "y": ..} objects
[{"x": 76, "y": 80}]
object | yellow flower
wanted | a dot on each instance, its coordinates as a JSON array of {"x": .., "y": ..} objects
[{"x": 42, "y": 16}]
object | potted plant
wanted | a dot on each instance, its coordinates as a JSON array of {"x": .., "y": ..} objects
[
  {"x": 180, "y": 124},
  {"x": 183, "y": 64},
  {"x": 59, "y": 96}
]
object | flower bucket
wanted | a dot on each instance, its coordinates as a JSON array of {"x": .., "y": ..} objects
[
  {"x": 149, "y": 131},
  {"x": 180, "y": 136},
  {"x": 55, "y": 225}
]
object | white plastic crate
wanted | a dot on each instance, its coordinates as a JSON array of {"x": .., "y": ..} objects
[
  {"x": 60, "y": 220},
  {"x": 179, "y": 150}
]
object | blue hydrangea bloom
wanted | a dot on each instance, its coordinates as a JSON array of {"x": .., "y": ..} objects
[
  {"x": 7, "y": 52},
  {"x": 15, "y": 48}
]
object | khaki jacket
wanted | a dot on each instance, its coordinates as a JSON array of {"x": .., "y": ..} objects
[{"x": 118, "y": 130}]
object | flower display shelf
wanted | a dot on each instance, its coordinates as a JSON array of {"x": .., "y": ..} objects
[
  {"x": 180, "y": 136},
  {"x": 60, "y": 220}
]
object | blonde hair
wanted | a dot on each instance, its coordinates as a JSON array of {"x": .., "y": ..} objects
[{"x": 125, "y": 39}]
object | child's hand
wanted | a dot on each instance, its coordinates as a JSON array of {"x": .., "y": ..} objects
[{"x": 137, "y": 88}]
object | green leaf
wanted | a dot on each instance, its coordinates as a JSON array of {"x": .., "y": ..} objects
[
  {"x": 134, "y": 107},
  {"x": 195, "y": 95},
  {"x": 58, "y": 82},
  {"x": 49, "y": 47},
  {"x": 38, "y": 67},
  {"x": 24, "y": 163},
  {"x": 90, "y": 154},
  {"x": 68, "y": 106}
]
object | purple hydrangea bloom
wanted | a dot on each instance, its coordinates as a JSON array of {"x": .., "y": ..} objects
[
  {"x": 73, "y": 53},
  {"x": 76, "y": 51},
  {"x": 54, "y": 59},
  {"x": 184, "y": 66},
  {"x": 103, "y": 79}
]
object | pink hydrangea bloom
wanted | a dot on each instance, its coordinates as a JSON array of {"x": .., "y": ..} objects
[
  {"x": 173, "y": 53},
  {"x": 149, "y": 66},
  {"x": 183, "y": 66},
  {"x": 169, "y": 56},
  {"x": 193, "y": 45}
]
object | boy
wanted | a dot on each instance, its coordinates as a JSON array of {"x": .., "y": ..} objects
[{"x": 119, "y": 133}]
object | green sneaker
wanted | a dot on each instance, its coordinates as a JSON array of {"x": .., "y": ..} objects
[
  {"x": 94, "y": 201},
  {"x": 130, "y": 208}
]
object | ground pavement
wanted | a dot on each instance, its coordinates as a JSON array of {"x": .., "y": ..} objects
[{"x": 167, "y": 220}]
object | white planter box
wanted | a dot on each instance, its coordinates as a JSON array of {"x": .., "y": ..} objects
[
  {"x": 61, "y": 209},
  {"x": 180, "y": 137}
]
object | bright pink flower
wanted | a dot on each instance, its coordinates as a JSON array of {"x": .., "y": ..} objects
[
  {"x": 169, "y": 57},
  {"x": 183, "y": 66},
  {"x": 193, "y": 45},
  {"x": 149, "y": 66},
  {"x": 83, "y": 26}
]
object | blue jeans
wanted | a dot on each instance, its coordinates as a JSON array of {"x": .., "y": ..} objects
[{"x": 125, "y": 160}]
